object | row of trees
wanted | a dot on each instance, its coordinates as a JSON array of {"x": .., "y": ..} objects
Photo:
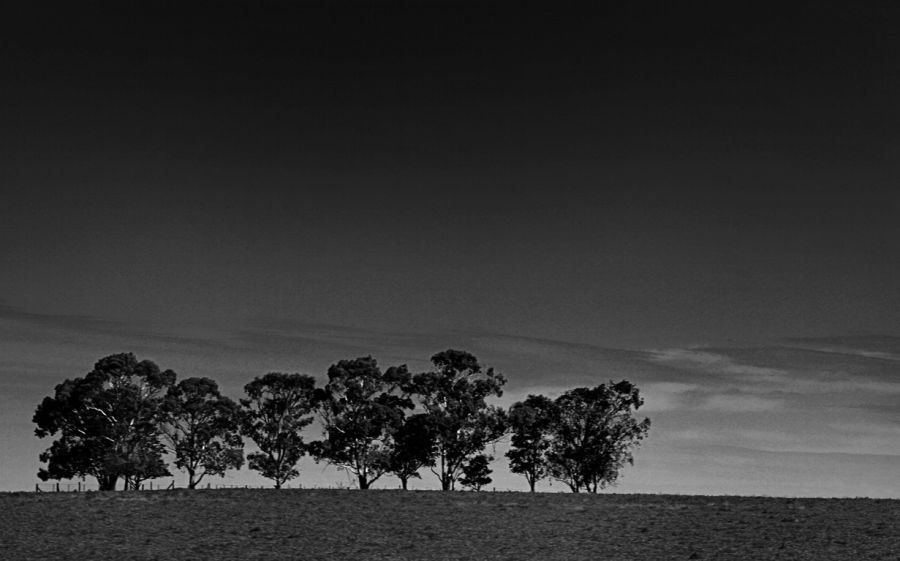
[{"x": 120, "y": 420}]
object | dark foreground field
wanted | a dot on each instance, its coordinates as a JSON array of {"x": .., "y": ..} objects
[{"x": 336, "y": 524}]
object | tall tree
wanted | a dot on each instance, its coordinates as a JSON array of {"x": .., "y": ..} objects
[
  {"x": 360, "y": 408},
  {"x": 277, "y": 408},
  {"x": 594, "y": 434},
  {"x": 202, "y": 428},
  {"x": 413, "y": 449},
  {"x": 108, "y": 423},
  {"x": 476, "y": 472},
  {"x": 454, "y": 397},
  {"x": 531, "y": 424}
]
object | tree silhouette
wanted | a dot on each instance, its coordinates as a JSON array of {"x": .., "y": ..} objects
[
  {"x": 108, "y": 423},
  {"x": 360, "y": 409},
  {"x": 414, "y": 448},
  {"x": 594, "y": 432},
  {"x": 277, "y": 408},
  {"x": 476, "y": 472},
  {"x": 202, "y": 428},
  {"x": 453, "y": 396},
  {"x": 531, "y": 424}
]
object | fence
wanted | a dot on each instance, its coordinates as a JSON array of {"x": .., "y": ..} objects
[{"x": 79, "y": 487}]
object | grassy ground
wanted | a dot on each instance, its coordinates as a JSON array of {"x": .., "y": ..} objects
[{"x": 424, "y": 525}]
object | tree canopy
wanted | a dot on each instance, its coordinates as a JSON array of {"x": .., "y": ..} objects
[
  {"x": 531, "y": 424},
  {"x": 476, "y": 472},
  {"x": 107, "y": 422},
  {"x": 594, "y": 433},
  {"x": 360, "y": 409},
  {"x": 277, "y": 408},
  {"x": 414, "y": 447},
  {"x": 454, "y": 398},
  {"x": 202, "y": 428}
]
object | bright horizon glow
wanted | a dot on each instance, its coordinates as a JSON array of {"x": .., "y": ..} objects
[{"x": 738, "y": 421}]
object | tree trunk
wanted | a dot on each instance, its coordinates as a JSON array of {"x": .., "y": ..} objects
[
  {"x": 363, "y": 482},
  {"x": 445, "y": 477},
  {"x": 191, "y": 483},
  {"x": 531, "y": 484},
  {"x": 107, "y": 482},
  {"x": 403, "y": 481}
]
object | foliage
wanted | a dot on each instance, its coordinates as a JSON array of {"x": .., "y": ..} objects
[
  {"x": 531, "y": 424},
  {"x": 277, "y": 408},
  {"x": 144, "y": 462},
  {"x": 360, "y": 410},
  {"x": 202, "y": 428},
  {"x": 594, "y": 432},
  {"x": 453, "y": 396},
  {"x": 414, "y": 448},
  {"x": 108, "y": 423},
  {"x": 476, "y": 472}
]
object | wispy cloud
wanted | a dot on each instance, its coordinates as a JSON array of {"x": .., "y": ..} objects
[
  {"x": 880, "y": 347},
  {"x": 785, "y": 370},
  {"x": 741, "y": 404},
  {"x": 667, "y": 396},
  {"x": 802, "y": 405},
  {"x": 707, "y": 361},
  {"x": 828, "y": 438}
]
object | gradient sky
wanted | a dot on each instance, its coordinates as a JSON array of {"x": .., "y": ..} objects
[{"x": 699, "y": 199}]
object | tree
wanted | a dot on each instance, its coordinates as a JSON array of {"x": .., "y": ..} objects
[
  {"x": 453, "y": 396},
  {"x": 277, "y": 408},
  {"x": 360, "y": 410},
  {"x": 414, "y": 448},
  {"x": 594, "y": 433},
  {"x": 202, "y": 428},
  {"x": 108, "y": 423},
  {"x": 476, "y": 472},
  {"x": 144, "y": 462},
  {"x": 531, "y": 423}
]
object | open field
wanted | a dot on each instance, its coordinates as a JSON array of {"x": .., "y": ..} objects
[{"x": 422, "y": 525}]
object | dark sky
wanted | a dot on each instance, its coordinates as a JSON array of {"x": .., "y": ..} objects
[{"x": 633, "y": 176}]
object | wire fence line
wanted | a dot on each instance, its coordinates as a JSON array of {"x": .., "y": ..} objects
[{"x": 81, "y": 487}]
